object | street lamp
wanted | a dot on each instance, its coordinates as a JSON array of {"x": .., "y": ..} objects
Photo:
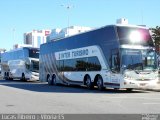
[{"x": 68, "y": 7}]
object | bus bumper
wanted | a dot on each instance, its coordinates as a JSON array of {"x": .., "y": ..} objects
[{"x": 139, "y": 84}]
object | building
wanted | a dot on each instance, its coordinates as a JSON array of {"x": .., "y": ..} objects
[
  {"x": 36, "y": 37},
  {"x": 65, "y": 32},
  {"x": 21, "y": 45}
]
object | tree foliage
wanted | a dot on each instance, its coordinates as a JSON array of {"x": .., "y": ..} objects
[{"x": 156, "y": 37}]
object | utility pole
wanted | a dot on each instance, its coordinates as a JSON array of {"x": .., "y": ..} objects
[
  {"x": 13, "y": 30},
  {"x": 142, "y": 16},
  {"x": 68, "y": 7}
]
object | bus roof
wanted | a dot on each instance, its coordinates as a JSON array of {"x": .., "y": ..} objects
[
  {"x": 21, "y": 49},
  {"x": 122, "y": 25}
]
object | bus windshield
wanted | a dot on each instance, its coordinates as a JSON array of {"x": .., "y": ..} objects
[
  {"x": 134, "y": 36},
  {"x": 34, "y": 53},
  {"x": 138, "y": 59},
  {"x": 132, "y": 60},
  {"x": 35, "y": 66}
]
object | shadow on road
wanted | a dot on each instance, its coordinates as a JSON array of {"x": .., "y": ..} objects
[{"x": 37, "y": 86}]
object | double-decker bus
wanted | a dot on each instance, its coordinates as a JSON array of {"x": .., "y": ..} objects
[
  {"x": 21, "y": 63},
  {"x": 114, "y": 56}
]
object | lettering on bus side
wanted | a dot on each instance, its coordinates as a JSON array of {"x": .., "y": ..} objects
[
  {"x": 64, "y": 55},
  {"x": 79, "y": 53},
  {"x": 73, "y": 54}
]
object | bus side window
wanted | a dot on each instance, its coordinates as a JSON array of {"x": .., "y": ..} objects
[{"x": 60, "y": 65}]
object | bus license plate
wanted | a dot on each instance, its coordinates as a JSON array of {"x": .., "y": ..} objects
[{"x": 142, "y": 84}]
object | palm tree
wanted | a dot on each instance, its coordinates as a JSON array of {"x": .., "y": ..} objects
[{"x": 156, "y": 37}]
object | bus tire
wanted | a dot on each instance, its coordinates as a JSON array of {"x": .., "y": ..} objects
[
  {"x": 100, "y": 83},
  {"x": 5, "y": 76},
  {"x": 23, "y": 77},
  {"x": 10, "y": 78},
  {"x": 54, "y": 81},
  {"x": 49, "y": 79},
  {"x": 89, "y": 83}
]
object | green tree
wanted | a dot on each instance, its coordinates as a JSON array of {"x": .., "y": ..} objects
[{"x": 156, "y": 37}]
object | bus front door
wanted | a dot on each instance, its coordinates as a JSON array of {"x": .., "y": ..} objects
[{"x": 115, "y": 70}]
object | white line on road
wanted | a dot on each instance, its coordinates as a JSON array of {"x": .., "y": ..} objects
[
  {"x": 135, "y": 98},
  {"x": 151, "y": 103}
]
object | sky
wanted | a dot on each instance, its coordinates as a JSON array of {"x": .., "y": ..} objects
[{"x": 20, "y": 16}]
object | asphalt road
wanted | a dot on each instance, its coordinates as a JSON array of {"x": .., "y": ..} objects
[{"x": 36, "y": 97}]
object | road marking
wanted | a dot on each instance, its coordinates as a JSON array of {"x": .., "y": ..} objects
[
  {"x": 151, "y": 103},
  {"x": 135, "y": 98}
]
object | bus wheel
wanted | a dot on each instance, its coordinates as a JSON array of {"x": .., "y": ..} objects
[
  {"x": 5, "y": 76},
  {"x": 54, "y": 81},
  {"x": 49, "y": 79},
  {"x": 23, "y": 77},
  {"x": 10, "y": 78},
  {"x": 100, "y": 83},
  {"x": 89, "y": 83}
]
